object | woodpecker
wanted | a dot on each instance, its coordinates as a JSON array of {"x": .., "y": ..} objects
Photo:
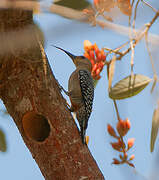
[{"x": 80, "y": 91}]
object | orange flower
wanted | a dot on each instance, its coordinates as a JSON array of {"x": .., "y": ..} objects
[
  {"x": 123, "y": 127},
  {"x": 97, "y": 58}
]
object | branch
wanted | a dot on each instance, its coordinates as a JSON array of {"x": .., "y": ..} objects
[
  {"x": 133, "y": 42},
  {"x": 71, "y": 14},
  {"x": 32, "y": 98}
]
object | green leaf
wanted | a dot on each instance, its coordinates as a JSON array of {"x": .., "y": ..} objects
[
  {"x": 111, "y": 72},
  {"x": 74, "y": 4},
  {"x": 154, "y": 129},
  {"x": 129, "y": 86},
  {"x": 3, "y": 146}
]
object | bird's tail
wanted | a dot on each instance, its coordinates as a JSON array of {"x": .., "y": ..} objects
[
  {"x": 83, "y": 133},
  {"x": 83, "y": 122}
]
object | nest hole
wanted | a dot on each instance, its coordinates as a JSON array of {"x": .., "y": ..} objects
[{"x": 36, "y": 126}]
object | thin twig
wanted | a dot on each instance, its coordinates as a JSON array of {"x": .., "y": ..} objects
[
  {"x": 116, "y": 109},
  {"x": 132, "y": 30},
  {"x": 121, "y": 46},
  {"x": 131, "y": 33},
  {"x": 140, "y": 36},
  {"x": 147, "y": 4},
  {"x": 112, "y": 51},
  {"x": 132, "y": 56},
  {"x": 135, "y": 14},
  {"x": 71, "y": 14},
  {"x": 116, "y": 50},
  {"x": 131, "y": 13}
]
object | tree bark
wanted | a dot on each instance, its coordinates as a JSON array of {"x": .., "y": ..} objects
[{"x": 31, "y": 96}]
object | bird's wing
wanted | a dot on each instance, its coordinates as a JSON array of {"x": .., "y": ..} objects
[{"x": 87, "y": 88}]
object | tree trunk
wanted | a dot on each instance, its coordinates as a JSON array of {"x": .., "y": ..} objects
[{"x": 32, "y": 98}]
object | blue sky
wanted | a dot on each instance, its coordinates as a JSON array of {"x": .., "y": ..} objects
[{"x": 17, "y": 163}]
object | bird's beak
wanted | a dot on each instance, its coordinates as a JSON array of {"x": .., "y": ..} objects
[{"x": 68, "y": 53}]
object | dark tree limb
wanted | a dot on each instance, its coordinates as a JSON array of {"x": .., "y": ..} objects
[{"x": 31, "y": 96}]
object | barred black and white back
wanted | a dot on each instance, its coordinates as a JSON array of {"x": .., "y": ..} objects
[{"x": 87, "y": 89}]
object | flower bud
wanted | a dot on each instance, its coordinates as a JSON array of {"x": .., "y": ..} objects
[
  {"x": 130, "y": 143},
  {"x": 97, "y": 71},
  {"x": 121, "y": 157},
  {"x": 111, "y": 131},
  {"x": 131, "y": 164},
  {"x": 87, "y": 45},
  {"x": 99, "y": 56},
  {"x": 123, "y": 127},
  {"x": 92, "y": 62},
  {"x": 100, "y": 65},
  {"x": 117, "y": 146},
  {"x": 87, "y": 55},
  {"x": 132, "y": 157},
  {"x": 91, "y": 53},
  {"x": 116, "y": 161},
  {"x": 103, "y": 57},
  {"x": 98, "y": 77},
  {"x": 96, "y": 2},
  {"x": 128, "y": 125},
  {"x": 93, "y": 75},
  {"x": 96, "y": 47},
  {"x": 94, "y": 68}
]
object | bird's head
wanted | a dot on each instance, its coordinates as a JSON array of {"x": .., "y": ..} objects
[{"x": 79, "y": 61}]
